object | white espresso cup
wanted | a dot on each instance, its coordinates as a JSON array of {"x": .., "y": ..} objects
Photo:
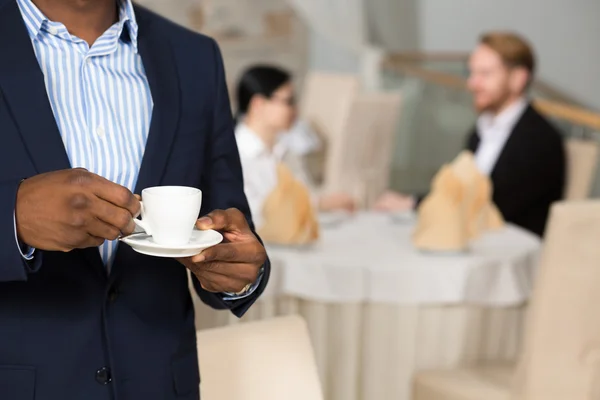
[{"x": 169, "y": 213}]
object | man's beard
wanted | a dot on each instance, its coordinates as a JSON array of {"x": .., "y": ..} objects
[{"x": 495, "y": 105}]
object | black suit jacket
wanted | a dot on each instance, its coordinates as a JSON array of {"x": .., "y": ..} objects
[
  {"x": 66, "y": 326},
  {"x": 530, "y": 173}
]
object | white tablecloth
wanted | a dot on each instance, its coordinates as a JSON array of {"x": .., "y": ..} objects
[
  {"x": 371, "y": 258},
  {"x": 378, "y": 311}
]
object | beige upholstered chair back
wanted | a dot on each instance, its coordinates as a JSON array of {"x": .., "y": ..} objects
[
  {"x": 363, "y": 168},
  {"x": 582, "y": 160},
  {"x": 562, "y": 344},
  {"x": 266, "y": 360},
  {"x": 326, "y": 100}
]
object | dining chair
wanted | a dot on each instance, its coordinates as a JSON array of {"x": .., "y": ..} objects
[
  {"x": 326, "y": 100},
  {"x": 362, "y": 162},
  {"x": 561, "y": 356},
  {"x": 582, "y": 161},
  {"x": 265, "y": 360},
  {"x": 325, "y": 105}
]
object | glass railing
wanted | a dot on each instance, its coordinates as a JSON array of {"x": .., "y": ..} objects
[
  {"x": 437, "y": 116},
  {"x": 433, "y": 125},
  {"x": 457, "y": 65}
]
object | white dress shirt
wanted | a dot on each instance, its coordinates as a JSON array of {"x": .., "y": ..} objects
[
  {"x": 493, "y": 133},
  {"x": 301, "y": 139},
  {"x": 259, "y": 166}
]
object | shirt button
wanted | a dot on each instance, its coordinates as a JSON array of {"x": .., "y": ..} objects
[
  {"x": 53, "y": 30},
  {"x": 100, "y": 131},
  {"x": 103, "y": 376}
]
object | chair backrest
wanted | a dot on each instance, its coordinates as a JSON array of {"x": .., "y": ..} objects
[
  {"x": 326, "y": 101},
  {"x": 582, "y": 160},
  {"x": 265, "y": 360},
  {"x": 365, "y": 150},
  {"x": 562, "y": 342}
]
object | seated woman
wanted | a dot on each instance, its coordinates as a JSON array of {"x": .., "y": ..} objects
[{"x": 266, "y": 114}]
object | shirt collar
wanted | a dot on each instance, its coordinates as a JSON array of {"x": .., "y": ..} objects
[
  {"x": 505, "y": 121},
  {"x": 127, "y": 19},
  {"x": 36, "y": 21},
  {"x": 250, "y": 145}
]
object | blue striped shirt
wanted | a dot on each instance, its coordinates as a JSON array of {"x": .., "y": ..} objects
[
  {"x": 99, "y": 95},
  {"x": 100, "y": 98}
]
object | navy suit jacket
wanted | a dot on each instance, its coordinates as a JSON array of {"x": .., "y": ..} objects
[
  {"x": 66, "y": 326},
  {"x": 529, "y": 175}
]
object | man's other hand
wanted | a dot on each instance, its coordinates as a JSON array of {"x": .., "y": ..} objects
[{"x": 72, "y": 209}]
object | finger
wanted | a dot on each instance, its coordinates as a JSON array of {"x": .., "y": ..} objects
[
  {"x": 380, "y": 206},
  {"x": 194, "y": 269},
  {"x": 100, "y": 229},
  {"x": 206, "y": 283},
  {"x": 217, "y": 282},
  {"x": 244, "y": 272},
  {"x": 225, "y": 220},
  {"x": 250, "y": 252},
  {"x": 208, "y": 286},
  {"x": 220, "y": 283},
  {"x": 139, "y": 198},
  {"x": 118, "y": 195},
  {"x": 117, "y": 217}
]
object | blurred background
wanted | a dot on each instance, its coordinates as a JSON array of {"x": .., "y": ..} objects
[
  {"x": 388, "y": 44},
  {"x": 384, "y": 85}
]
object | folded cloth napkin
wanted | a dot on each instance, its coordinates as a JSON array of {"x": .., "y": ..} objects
[
  {"x": 458, "y": 209},
  {"x": 288, "y": 214}
]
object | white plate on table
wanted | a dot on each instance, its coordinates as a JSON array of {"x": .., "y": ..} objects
[
  {"x": 333, "y": 218},
  {"x": 445, "y": 253},
  {"x": 403, "y": 217},
  {"x": 200, "y": 240}
]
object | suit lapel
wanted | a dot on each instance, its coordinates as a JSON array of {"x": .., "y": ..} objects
[
  {"x": 511, "y": 147},
  {"x": 161, "y": 71},
  {"x": 22, "y": 84}
]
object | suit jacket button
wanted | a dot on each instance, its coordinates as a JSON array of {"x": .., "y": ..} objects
[
  {"x": 113, "y": 294},
  {"x": 103, "y": 376}
]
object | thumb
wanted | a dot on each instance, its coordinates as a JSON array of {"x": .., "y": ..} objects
[{"x": 205, "y": 223}]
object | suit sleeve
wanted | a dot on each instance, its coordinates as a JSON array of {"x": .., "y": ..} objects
[
  {"x": 13, "y": 267},
  {"x": 541, "y": 175},
  {"x": 223, "y": 183}
]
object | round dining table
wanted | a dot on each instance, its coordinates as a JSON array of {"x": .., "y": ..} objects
[{"x": 378, "y": 309}]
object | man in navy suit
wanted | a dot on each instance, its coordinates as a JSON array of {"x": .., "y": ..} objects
[{"x": 100, "y": 99}]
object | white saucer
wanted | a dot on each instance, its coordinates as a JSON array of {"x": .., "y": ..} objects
[{"x": 200, "y": 240}]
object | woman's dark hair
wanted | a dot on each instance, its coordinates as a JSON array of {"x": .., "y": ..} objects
[{"x": 261, "y": 80}]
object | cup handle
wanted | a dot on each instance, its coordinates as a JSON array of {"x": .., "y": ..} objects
[{"x": 140, "y": 222}]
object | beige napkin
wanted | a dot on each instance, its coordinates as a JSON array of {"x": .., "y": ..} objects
[
  {"x": 458, "y": 209},
  {"x": 288, "y": 214}
]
